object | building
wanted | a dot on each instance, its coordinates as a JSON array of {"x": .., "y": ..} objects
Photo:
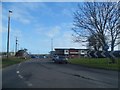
[{"x": 71, "y": 53}]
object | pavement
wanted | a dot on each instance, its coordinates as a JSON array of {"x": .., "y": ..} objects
[{"x": 44, "y": 73}]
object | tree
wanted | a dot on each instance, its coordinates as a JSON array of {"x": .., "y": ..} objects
[
  {"x": 99, "y": 19},
  {"x": 22, "y": 53},
  {"x": 94, "y": 43},
  {"x": 113, "y": 25}
]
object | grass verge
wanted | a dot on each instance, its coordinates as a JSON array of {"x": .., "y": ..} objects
[
  {"x": 11, "y": 61},
  {"x": 101, "y": 63}
]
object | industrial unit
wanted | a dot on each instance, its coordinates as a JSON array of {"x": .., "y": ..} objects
[{"x": 71, "y": 53}]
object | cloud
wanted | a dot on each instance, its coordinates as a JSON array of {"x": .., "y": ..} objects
[
  {"x": 48, "y": 31},
  {"x": 21, "y": 14},
  {"x": 66, "y": 42},
  {"x": 24, "y": 11},
  {"x": 3, "y": 29},
  {"x": 67, "y": 12},
  {"x": 16, "y": 33},
  {"x": 62, "y": 35},
  {"x": 45, "y": 0},
  {"x": 54, "y": 31},
  {"x": 66, "y": 9}
]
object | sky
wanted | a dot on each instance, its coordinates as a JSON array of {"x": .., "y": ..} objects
[
  {"x": 38, "y": 24},
  {"x": 35, "y": 24}
]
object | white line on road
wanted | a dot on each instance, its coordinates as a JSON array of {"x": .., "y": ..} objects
[
  {"x": 29, "y": 84},
  {"x": 17, "y": 72},
  {"x": 20, "y": 76}
]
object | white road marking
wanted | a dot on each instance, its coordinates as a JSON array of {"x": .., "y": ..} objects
[
  {"x": 17, "y": 72},
  {"x": 29, "y": 84},
  {"x": 20, "y": 76}
]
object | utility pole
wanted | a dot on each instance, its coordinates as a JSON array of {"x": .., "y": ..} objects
[
  {"x": 8, "y": 36},
  {"x": 16, "y": 44},
  {"x": 52, "y": 44}
]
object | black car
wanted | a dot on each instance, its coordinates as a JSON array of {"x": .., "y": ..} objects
[{"x": 60, "y": 59}]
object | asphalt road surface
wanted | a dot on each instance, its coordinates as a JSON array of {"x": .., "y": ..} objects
[{"x": 43, "y": 73}]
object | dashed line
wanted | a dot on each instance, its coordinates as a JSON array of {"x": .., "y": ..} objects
[
  {"x": 20, "y": 76},
  {"x": 17, "y": 72},
  {"x": 18, "y": 66},
  {"x": 29, "y": 84}
]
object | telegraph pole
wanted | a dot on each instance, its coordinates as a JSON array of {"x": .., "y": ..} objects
[
  {"x": 52, "y": 44},
  {"x": 16, "y": 44},
  {"x": 8, "y": 36}
]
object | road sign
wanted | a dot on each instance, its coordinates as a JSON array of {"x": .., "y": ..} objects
[
  {"x": 96, "y": 54},
  {"x": 111, "y": 54},
  {"x": 89, "y": 54},
  {"x": 103, "y": 54}
]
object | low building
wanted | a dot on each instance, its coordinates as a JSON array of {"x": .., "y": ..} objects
[{"x": 71, "y": 53}]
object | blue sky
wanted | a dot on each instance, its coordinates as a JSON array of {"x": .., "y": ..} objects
[{"x": 36, "y": 23}]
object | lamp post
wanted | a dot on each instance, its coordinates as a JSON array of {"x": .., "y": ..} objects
[{"x": 8, "y": 36}]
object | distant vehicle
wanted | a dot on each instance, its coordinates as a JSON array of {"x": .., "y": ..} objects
[
  {"x": 41, "y": 56},
  {"x": 60, "y": 59},
  {"x": 33, "y": 56}
]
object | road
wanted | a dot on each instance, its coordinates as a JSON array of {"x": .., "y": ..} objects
[{"x": 40, "y": 73}]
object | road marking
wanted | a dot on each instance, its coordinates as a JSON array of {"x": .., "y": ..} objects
[
  {"x": 29, "y": 84},
  {"x": 20, "y": 76},
  {"x": 17, "y": 72}
]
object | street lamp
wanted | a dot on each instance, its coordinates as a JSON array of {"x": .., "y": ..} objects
[{"x": 8, "y": 33}]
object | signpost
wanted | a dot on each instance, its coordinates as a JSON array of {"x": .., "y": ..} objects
[{"x": 105, "y": 53}]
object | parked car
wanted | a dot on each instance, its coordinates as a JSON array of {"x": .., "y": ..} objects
[
  {"x": 60, "y": 59},
  {"x": 33, "y": 56}
]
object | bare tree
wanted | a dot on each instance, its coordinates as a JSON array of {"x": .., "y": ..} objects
[
  {"x": 94, "y": 43},
  {"x": 113, "y": 25},
  {"x": 99, "y": 19}
]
